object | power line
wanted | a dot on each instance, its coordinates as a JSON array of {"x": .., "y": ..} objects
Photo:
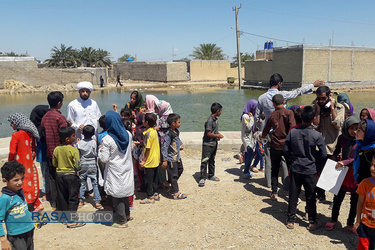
[{"x": 272, "y": 38}]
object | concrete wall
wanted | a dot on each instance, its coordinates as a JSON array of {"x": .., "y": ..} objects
[
  {"x": 211, "y": 70},
  {"x": 29, "y": 73},
  {"x": 339, "y": 64},
  {"x": 151, "y": 71},
  {"x": 288, "y": 63},
  {"x": 258, "y": 72}
]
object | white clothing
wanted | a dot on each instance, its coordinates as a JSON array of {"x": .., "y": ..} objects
[
  {"x": 85, "y": 85},
  {"x": 83, "y": 112},
  {"x": 118, "y": 173},
  {"x": 247, "y": 132}
]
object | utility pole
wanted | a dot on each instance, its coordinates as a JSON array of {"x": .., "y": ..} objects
[{"x": 235, "y": 9}]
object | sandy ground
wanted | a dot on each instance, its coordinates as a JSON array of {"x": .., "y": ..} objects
[{"x": 232, "y": 213}]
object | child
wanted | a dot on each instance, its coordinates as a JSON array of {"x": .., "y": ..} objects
[
  {"x": 281, "y": 120},
  {"x": 104, "y": 131},
  {"x": 345, "y": 147},
  {"x": 67, "y": 163},
  {"x": 209, "y": 145},
  {"x": 259, "y": 150},
  {"x": 23, "y": 149},
  {"x": 171, "y": 154},
  {"x": 115, "y": 152},
  {"x": 151, "y": 159},
  {"x": 51, "y": 122},
  {"x": 128, "y": 126},
  {"x": 365, "y": 221},
  {"x": 13, "y": 209},
  {"x": 88, "y": 154},
  {"x": 138, "y": 150},
  {"x": 303, "y": 147},
  {"x": 367, "y": 114},
  {"x": 365, "y": 150},
  {"x": 248, "y": 141}
]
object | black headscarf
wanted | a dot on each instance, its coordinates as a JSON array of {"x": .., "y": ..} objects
[
  {"x": 351, "y": 120},
  {"x": 36, "y": 117}
]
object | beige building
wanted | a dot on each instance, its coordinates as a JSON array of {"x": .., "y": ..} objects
[{"x": 303, "y": 64}]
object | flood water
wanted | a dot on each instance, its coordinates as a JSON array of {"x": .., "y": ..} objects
[{"x": 192, "y": 106}]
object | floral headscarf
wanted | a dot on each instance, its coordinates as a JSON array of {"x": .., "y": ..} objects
[
  {"x": 22, "y": 122},
  {"x": 153, "y": 102}
]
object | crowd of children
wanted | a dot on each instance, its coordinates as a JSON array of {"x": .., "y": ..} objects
[{"x": 139, "y": 148}]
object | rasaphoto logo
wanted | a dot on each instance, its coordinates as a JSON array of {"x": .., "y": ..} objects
[{"x": 72, "y": 216}]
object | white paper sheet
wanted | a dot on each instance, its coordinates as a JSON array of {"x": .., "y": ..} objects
[{"x": 331, "y": 178}]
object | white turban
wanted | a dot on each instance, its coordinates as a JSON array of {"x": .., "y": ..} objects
[{"x": 85, "y": 85}]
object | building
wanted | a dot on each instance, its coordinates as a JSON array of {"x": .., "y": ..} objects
[{"x": 303, "y": 64}]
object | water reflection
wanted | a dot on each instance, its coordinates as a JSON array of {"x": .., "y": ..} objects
[{"x": 192, "y": 104}]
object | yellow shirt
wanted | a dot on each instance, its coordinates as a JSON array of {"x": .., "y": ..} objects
[
  {"x": 151, "y": 142},
  {"x": 66, "y": 159}
]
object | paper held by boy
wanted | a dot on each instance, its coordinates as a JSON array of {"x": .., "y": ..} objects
[{"x": 331, "y": 178}]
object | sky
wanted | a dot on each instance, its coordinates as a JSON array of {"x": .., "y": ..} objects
[{"x": 161, "y": 30}]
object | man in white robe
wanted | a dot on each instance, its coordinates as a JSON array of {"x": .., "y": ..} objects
[{"x": 83, "y": 110}]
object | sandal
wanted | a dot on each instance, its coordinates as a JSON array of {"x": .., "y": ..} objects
[
  {"x": 147, "y": 201},
  {"x": 330, "y": 225},
  {"x": 214, "y": 178},
  {"x": 289, "y": 225},
  {"x": 98, "y": 206},
  {"x": 254, "y": 169},
  {"x": 81, "y": 204},
  {"x": 313, "y": 227},
  {"x": 202, "y": 182},
  {"x": 156, "y": 197},
  {"x": 274, "y": 197},
  {"x": 180, "y": 196},
  {"x": 75, "y": 225},
  {"x": 129, "y": 218}
]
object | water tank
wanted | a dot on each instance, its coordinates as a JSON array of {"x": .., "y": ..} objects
[
  {"x": 266, "y": 45},
  {"x": 270, "y": 45}
]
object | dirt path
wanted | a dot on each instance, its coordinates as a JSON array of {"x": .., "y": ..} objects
[{"x": 232, "y": 213}]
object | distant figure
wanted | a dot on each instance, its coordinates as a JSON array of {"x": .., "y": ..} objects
[
  {"x": 101, "y": 81},
  {"x": 118, "y": 80}
]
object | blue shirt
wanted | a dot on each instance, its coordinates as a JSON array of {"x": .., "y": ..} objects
[
  {"x": 265, "y": 101},
  {"x": 14, "y": 212},
  {"x": 171, "y": 146}
]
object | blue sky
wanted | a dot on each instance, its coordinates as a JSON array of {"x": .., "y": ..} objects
[{"x": 152, "y": 30}]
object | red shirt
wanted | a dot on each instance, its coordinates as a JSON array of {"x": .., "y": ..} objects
[{"x": 51, "y": 122}]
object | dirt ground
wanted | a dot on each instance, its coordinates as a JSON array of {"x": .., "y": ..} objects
[{"x": 232, "y": 213}]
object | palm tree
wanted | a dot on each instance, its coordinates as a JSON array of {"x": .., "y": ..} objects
[
  {"x": 125, "y": 57},
  {"x": 208, "y": 51},
  {"x": 244, "y": 57},
  {"x": 61, "y": 57},
  {"x": 102, "y": 58},
  {"x": 88, "y": 56}
]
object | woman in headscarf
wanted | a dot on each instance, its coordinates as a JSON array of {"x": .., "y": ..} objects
[
  {"x": 247, "y": 119},
  {"x": 346, "y": 146},
  {"x": 343, "y": 98},
  {"x": 116, "y": 153},
  {"x": 136, "y": 103},
  {"x": 41, "y": 148},
  {"x": 23, "y": 149},
  {"x": 161, "y": 108},
  {"x": 367, "y": 113}
]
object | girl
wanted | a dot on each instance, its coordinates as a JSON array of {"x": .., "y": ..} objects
[
  {"x": 41, "y": 148},
  {"x": 162, "y": 109},
  {"x": 367, "y": 113},
  {"x": 365, "y": 150},
  {"x": 22, "y": 149},
  {"x": 115, "y": 152},
  {"x": 136, "y": 103},
  {"x": 346, "y": 146},
  {"x": 344, "y": 98},
  {"x": 248, "y": 141}
]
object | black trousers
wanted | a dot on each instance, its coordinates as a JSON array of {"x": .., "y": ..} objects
[
  {"x": 121, "y": 209},
  {"x": 208, "y": 158},
  {"x": 337, "y": 200},
  {"x": 67, "y": 186},
  {"x": 22, "y": 241},
  {"x": 151, "y": 180},
  {"x": 309, "y": 184},
  {"x": 175, "y": 170},
  {"x": 276, "y": 157},
  {"x": 52, "y": 181}
]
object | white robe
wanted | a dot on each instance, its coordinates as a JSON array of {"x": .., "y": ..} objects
[
  {"x": 118, "y": 173},
  {"x": 83, "y": 112}
]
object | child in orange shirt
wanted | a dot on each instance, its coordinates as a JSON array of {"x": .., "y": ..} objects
[{"x": 366, "y": 207}]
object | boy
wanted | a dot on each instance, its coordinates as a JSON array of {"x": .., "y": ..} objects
[
  {"x": 280, "y": 120},
  {"x": 14, "y": 211},
  {"x": 67, "y": 163},
  {"x": 151, "y": 159},
  {"x": 303, "y": 148},
  {"x": 209, "y": 146},
  {"x": 88, "y": 153},
  {"x": 51, "y": 122},
  {"x": 366, "y": 206},
  {"x": 171, "y": 154}
]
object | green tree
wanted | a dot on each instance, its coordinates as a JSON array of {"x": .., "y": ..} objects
[
  {"x": 61, "y": 57},
  {"x": 208, "y": 51},
  {"x": 102, "y": 58},
  {"x": 87, "y": 56},
  {"x": 13, "y": 54},
  {"x": 125, "y": 57},
  {"x": 244, "y": 57}
]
